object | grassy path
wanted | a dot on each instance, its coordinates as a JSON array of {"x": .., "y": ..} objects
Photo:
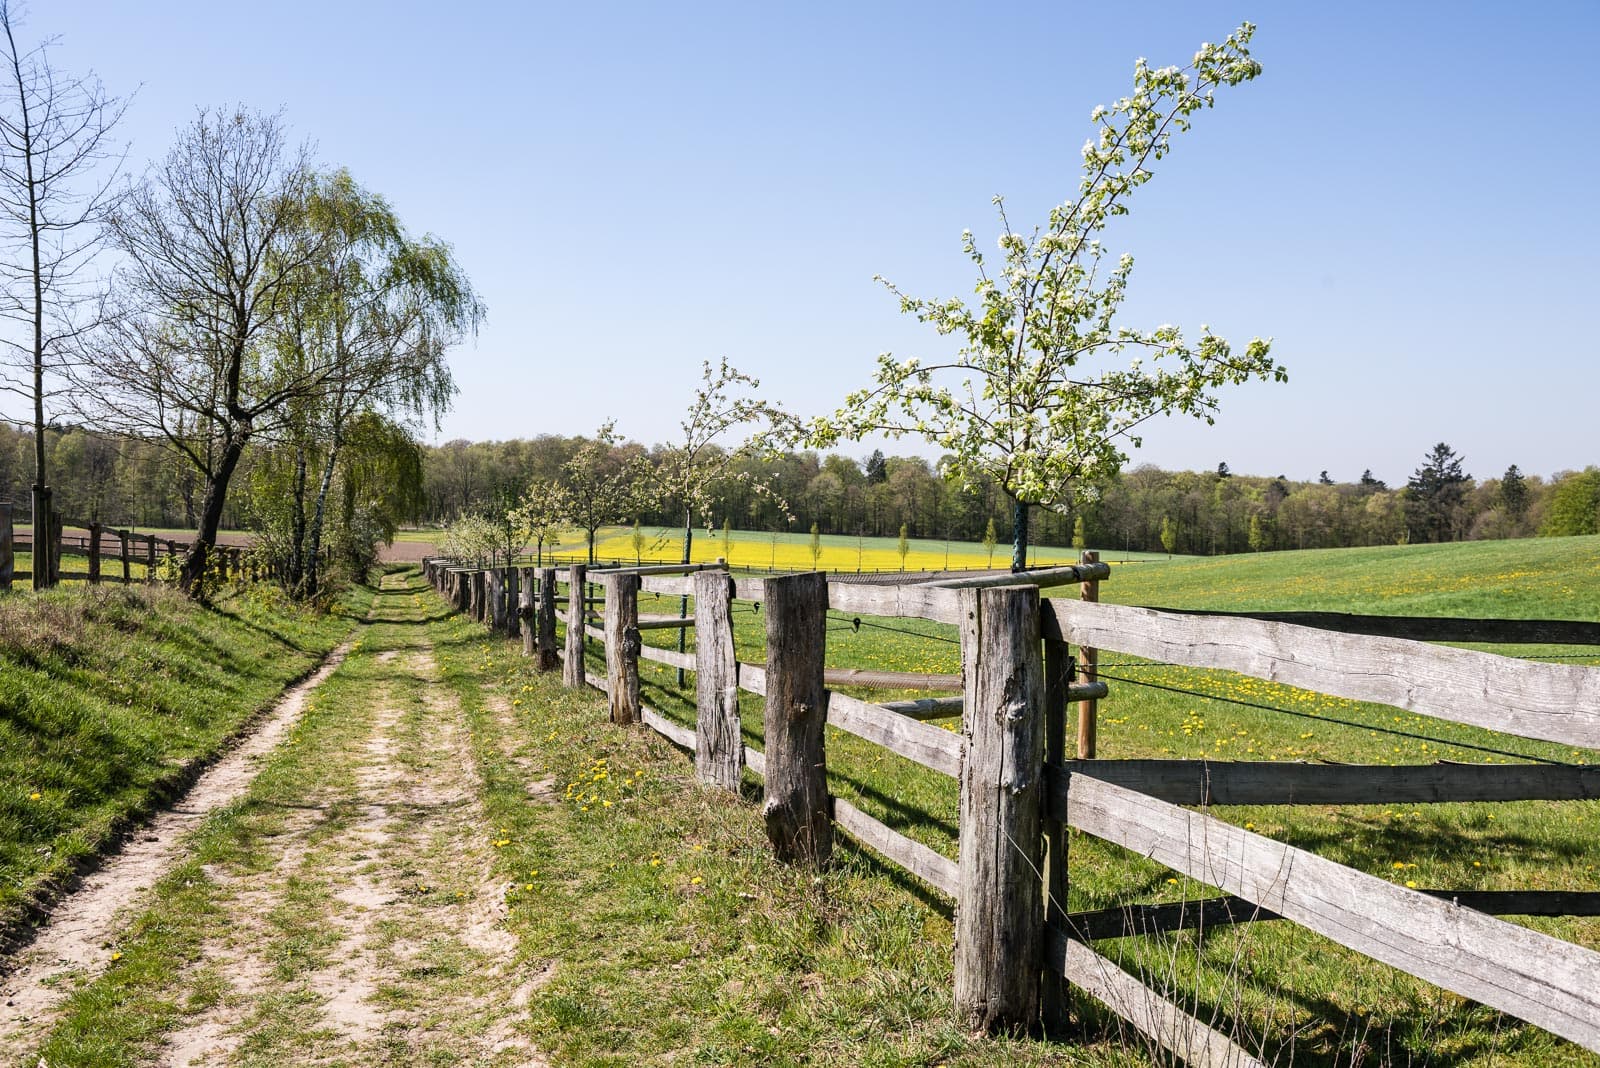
[{"x": 343, "y": 911}]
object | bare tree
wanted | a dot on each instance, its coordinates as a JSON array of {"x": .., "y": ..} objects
[
  {"x": 59, "y": 177},
  {"x": 213, "y": 246}
]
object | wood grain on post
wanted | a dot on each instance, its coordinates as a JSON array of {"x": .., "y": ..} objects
[
  {"x": 150, "y": 558},
  {"x": 495, "y": 612},
  {"x": 480, "y": 595},
  {"x": 622, "y": 647},
  {"x": 546, "y": 660},
  {"x": 1057, "y": 680},
  {"x": 1088, "y": 659},
  {"x": 572, "y": 672},
  {"x": 94, "y": 554},
  {"x": 511, "y": 594},
  {"x": 526, "y": 595},
  {"x": 719, "y": 747},
  {"x": 55, "y": 547},
  {"x": 796, "y": 809},
  {"x": 1000, "y": 911}
]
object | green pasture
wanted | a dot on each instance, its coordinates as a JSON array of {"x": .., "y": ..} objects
[{"x": 1299, "y": 996}]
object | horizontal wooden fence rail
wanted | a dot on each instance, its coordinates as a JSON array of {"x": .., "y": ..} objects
[
  {"x": 1428, "y": 628},
  {"x": 1549, "y": 702},
  {"x": 1127, "y": 921},
  {"x": 1265, "y": 782},
  {"x": 1530, "y": 975}
]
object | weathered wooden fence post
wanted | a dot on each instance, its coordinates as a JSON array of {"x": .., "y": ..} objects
[
  {"x": 1057, "y": 678},
  {"x": 622, "y": 646},
  {"x": 527, "y": 596},
  {"x": 547, "y": 620},
  {"x": 999, "y": 909},
  {"x": 94, "y": 554},
  {"x": 513, "y": 584},
  {"x": 127, "y": 565},
  {"x": 55, "y": 548},
  {"x": 718, "y": 745},
  {"x": 150, "y": 558},
  {"x": 480, "y": 595},
  {"x": 1087, "y": 660},
  {"x": 796, "y": 811},
  {"x": 494, "y": 589},
  {"x": 8, "y": 559},
  {"x": 572, "y": 671}
]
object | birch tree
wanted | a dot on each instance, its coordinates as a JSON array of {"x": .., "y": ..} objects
[{"x": 1046, "y": 387}]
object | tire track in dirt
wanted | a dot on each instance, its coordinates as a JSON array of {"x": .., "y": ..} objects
[
  {"x": 417, "y": 827},
  {"x": 68, "y": 949}
]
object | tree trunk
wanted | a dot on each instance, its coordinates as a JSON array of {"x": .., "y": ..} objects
[
  {"x": 314, "y": 546},
  {"x": 1019, "y": 535},
  {"x": 192, "y": 578},
  {"x": 41, "y": 535},
  {"x": 297, "y": 546},
  {"x": 683, "y": 602}
]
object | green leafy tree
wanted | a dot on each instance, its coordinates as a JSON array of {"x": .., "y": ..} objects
[
  {"x": 727, "y": 541},
  {"x": 990, "y": 539},
  {"x": 637, "y": 538},
  {"x": 1169, "y": 535},
  {"x": 904, "y": 546},
  {"x": 1258, "y": 538},
  {"x": 816, "y": 544},
  {"x": 1574, "y": 505},
  {"x": 1034, "y": 401},
  {"x": 1079, "y": 541}
]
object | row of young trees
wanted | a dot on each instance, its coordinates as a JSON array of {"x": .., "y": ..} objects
[{"x": 239, "y": 307}]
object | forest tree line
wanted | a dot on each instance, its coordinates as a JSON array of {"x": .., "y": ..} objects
[{"x": 127, "y": 481}]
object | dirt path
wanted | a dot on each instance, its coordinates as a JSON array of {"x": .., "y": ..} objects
[
  {"x": 70, "y": 948},
  {"x": 353, "y": 912}
]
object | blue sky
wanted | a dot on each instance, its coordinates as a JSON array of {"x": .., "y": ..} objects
[{"x": 1403, "y": 200}]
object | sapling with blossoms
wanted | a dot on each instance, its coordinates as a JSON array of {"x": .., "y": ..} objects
[
  {"x": 1033, "y": 398},
  {"x": 693, "y": 469}
]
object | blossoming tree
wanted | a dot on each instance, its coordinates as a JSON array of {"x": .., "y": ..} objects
[{"x": 1046, "y": 387}]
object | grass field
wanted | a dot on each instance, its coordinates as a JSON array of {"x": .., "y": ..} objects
[{"x": 1297, "y": 995}]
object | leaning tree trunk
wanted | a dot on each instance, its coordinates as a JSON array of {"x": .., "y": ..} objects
[
  {"x": 192, "y": 579},
  {"x": 1019, "y": 535},
  {"x": 297, "y": 538}
]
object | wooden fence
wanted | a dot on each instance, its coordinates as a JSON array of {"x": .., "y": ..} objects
[
  {"x": 1016, "y": 943},
  {"x": 105, "y": 561}
]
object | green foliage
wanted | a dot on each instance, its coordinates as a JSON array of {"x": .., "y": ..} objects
[
  {"x": 604, "y": 482},
  {"x": 1434, "y": 496},
  {"x": 1574, "y": 505},
  {"x": 1258, "y": 534},
  {"x": 1169, "y": 534},
  {"x": 990, "y": 540},
  {"x": 638, "y": 541},
  {"x": 815, "y": 544},
  {"x": 1035, "y": 400},
  {"x": 904, "y": 546},
  {"x": 1079, "y": 541},
  {"x": 1514, "y": 494}
]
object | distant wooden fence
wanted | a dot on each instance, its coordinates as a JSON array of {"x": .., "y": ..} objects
[
  {"x": 145, "y": 550},
  {"x": 1016, "y": 944}
]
